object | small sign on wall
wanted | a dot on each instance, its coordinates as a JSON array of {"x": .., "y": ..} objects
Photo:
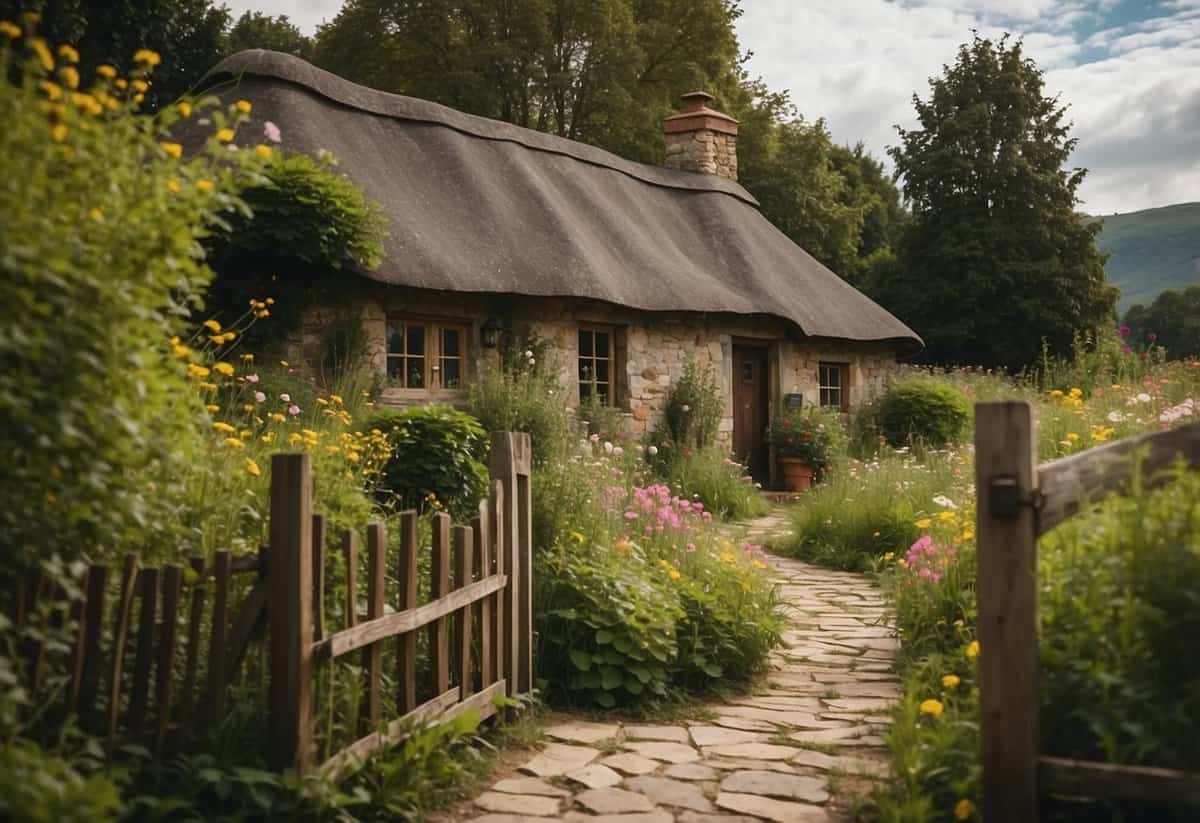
[{"x": 793, "y": 401}]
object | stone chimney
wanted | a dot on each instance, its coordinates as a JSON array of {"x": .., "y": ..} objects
[{"x": 700, "y": 139}]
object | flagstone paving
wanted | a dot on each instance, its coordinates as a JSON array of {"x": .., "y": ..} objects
[{"x": 820, "y": 713}]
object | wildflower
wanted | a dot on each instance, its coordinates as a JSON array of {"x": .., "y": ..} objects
[
  {"x": 234, "y": 443},
  {"x": 972, "y": 650},
  {"x": 621, "y": 546},
  {"x": 179, "y": 349},
  {"x": 121, "y": 83},
  {"x": 652, "y": 450},
  {"x": 224, "y": 428},
  {"x": 197, "y": 371},
  {"x": 172, "y": 149},
  {"x": 271, "y": 132},
  {"x": 932, "y": 707},
  {"x": 243, "y": 106},
  {"x": 225, "y": 135},
  {"x": 43, "y": 53},
  {"x": 212, "y": 409},
  {"x": 889, "y": 555},
  {"x": 204, "y": 186},
  {"x": 1072, "y": 436},
  {"x": 944, "y": 501},
  {"x": 10, "y": 30},
  {"x": 173, "y": 186},
  {"x": 1142, "y": 397},
  {"x": 578, "y": 537},
  {"x": 923, "y": 523},
  {"x": 252, "y": 468},
  {"x": 106, "y": 71},
  {"x": 68, "y": 53},
  {"x": 58, "y": 132},
  {"x": 69, "y": 76},
  {"x": 52, "y": 90},
  {"x": 293, "y": 410},
  {"x": 223, "y": 368},
  {"x": 262, "y": 151},
  {"x": 146, "y": 57},
  {"x": 184, "y": 108},
  {"x": 944, "y": 516},
  {"x": 259, "y": 397},
  {"x": 285, "y": 397},
  {"x": 963, "y": 809},
  {"x": 673, "y": 574},
  {"x": 141, "y": 87},
  {"x": 277, "y": 418},
  {"x": 950, "y": 681},
  {"x": 95, "y": 214}
]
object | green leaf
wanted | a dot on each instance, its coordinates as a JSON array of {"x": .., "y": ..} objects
[
  {"x": 610, "y": 677},
  {"x": 581, "y": 660}
]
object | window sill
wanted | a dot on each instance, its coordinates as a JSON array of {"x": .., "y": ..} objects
[{"x": 393, "y": 396}]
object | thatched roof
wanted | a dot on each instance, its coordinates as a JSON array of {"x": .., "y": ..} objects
[{"x": 477, "y": 205}]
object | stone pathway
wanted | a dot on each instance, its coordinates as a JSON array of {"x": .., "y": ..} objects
[{"x": 801, "y": 749}]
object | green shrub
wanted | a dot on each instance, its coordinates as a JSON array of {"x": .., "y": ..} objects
[
  {"x": 923, "y": 412},
  {"x": 693, "y": 410},
  {"x": 435, "y": 460},
  {"x": 528, "y": 399},
  {"x": 813, "y": 434},
  {"x": 40, "y": 787},
  {"x": 710, "y": 476}
]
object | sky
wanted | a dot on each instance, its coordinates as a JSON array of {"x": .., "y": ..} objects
[{"x": 1129, "y": 70}]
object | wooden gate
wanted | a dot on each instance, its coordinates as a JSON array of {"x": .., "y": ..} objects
[{"x": 1017, "y": 501}]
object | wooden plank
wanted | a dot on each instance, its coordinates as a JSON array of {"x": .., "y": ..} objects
[
  {"x": 289, "y": 610},
  {"x": 483, "y": 562},
  {"x": 87, "y": 659},
  {"x": 191, "y": 663},
  {"x": 172, "y": 583},
  {"x": 218, "y": 679},
  {"x": 129, "y": 576},
  {"x": 502, "y": 465},
  {"x": 441, "y": 709},
  {"x": 406, "y": 651},
  {"x": 1080, "y": 778},
  {"x": 439, "y": 587},
  {"x": 373, "y": 654},
  {"x": 247, "y": 563},
  {"x": 523, "y": 571},
  {"x": 390, "y": 625},
  {"x": 318, "y": 575},
  {"x": 1071, "y": 482},
  {"x": 350, "y": 555},
  {"x": 143, "y": 656},
  {"x": 1007, "y": 622},
  {"x": 251, "y": 616},
  {"x": 463, "y": 556},
  {"x": 495, "y": 515}
]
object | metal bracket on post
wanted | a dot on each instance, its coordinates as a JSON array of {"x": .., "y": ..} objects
[{"x": 1004, "y": 497}]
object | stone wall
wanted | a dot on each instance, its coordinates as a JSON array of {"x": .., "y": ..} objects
[
  {"x": 656, "y": 346},
  {"x": 704, "y": 151}
]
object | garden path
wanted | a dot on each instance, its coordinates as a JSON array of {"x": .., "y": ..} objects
[{"x": 806, "y": 746}]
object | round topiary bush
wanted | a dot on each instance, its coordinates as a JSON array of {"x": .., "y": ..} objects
[
  {"x": 923, "y": 412},
  {"x": 436, "y": 458}
]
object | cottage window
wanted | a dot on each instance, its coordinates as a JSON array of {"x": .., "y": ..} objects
[
  {"x": 596, "y": 363},
  {"x": 833, "y": 384},
  {"x": 425, "y": 354}
]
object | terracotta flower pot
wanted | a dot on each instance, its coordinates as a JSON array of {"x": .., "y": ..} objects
[{"x": 797, "y": 475}]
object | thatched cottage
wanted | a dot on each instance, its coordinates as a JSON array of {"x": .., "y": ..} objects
[{"x": 628, "y": 269}]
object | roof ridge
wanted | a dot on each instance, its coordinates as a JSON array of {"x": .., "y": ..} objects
[{"x": 292, "y": 69}]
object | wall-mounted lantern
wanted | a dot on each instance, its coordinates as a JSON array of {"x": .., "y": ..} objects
[{"x": 489, "y": 333}]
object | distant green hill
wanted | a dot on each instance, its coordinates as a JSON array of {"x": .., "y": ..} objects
[{"x": 1152, "y": 250}]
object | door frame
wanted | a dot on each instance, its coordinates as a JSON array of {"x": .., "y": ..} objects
[{"x": 771, "y": 347}]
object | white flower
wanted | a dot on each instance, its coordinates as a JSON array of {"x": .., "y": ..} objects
[
  {"x": 608, "y": 447},
  {"x": 685, "y": 407},
  {"x": 944, "y": 501},
  {"x": 532, "y": 361},
  {"x": 1115, "y": 417},
  {"x": 618, "y": 451},
  {"x": 286, "y": 398},
  {"x": 1143, "y": 397},
  {"x": 653, "y": 450},
  {"x": 259, "y": 396}
]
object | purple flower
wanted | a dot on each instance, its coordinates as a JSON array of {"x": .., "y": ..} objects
[
  {"x": 293, "y": 410},
  {"x": 271, "y": 132}
]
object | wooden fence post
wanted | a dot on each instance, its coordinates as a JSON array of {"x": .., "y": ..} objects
[
  {"x": 289, "y": 611},
  {"x": 1006, "y": 482},
  {"x": 510, "y": 463}
]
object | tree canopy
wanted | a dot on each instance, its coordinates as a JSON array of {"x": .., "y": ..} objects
[
  {"x": 1171, "y": 321},
  {"x": 996, "y": 259}
]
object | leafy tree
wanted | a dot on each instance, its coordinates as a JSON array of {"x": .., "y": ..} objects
[
  {"x": 1171, "y": 321},
  {"x": 869, "y": 188},
  {"x": 255, "y": 30},
  {"x": 997, "y": 259}
]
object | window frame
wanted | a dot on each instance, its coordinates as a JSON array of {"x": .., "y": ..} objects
[
  {"x": 612, "y": 383},
  {"x": 842, "y": 370},
  {"x": 434, "y": 328}
]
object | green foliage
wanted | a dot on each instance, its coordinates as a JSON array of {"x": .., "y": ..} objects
[
  {"x": 436, "y": 458},
  {"x": 1150, "y": 251},
  {"x": 100, "y": 262},
  {"x": 255, "y": 30},
  {"x": 692, "y": 413},
  {"x": 996, "y": 258},
  {"x": 527, "y": 399},
  {"x": 40, "y": 787},
  {"x": 1171, "y": 322},
  {"x": 923, "y": 413},
  {"x": 721, "y": 484},
  {"x": 813, "y": 434}
]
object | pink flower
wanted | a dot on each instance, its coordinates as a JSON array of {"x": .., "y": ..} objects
[
  {"x": 691, "y": 547},
  {"x": 259, "y": 397},
  {"x": 631, "y": 515},
  {"x": 252, "y": 378},
  {"x": 1124, "y": 330},
  {"x": 271, "y": 132},
  {"x": 293, "y": 410}
]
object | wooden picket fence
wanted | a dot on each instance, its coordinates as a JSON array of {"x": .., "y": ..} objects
[
  {"x": 188, "y": 649},
  {"x": 1018, "y": 501}
]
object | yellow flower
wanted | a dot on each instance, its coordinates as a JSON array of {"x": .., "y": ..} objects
[
  {"x": 106, "y": 71},
  {"x": 578, "y": 537},
  {"x": 212, "y": 409},
  {"x": 243, "y": 106},
  {"x": 336, "y": 399},
  {"x": 234, "y": 443},
  {"x": 963, "y": 809},
  {"x": 95, "y": 214},
  {"x": 185, "y": 109},
  {"x": 889, "y": 555},
  {"x": 225, "y": 135},
  {"x": 932, "y": 707},
  {"x": 173, "y": 186},
  {"x": 269, "y": 437},
  {"x": 58, "y": 132},
  {"x": 278, "y": 418},
  {"x": 140, "y": 86},
  {"x": 263, "y": 151},
  {"x": 972, "y": 650},
  {"x": 950, "y": 681},
  {"x": 212, "y": 325},
  {"x": 172, "y": 149},
  {"x": 86, "y": 102},
  {"x": 223, "y": 368},
  {"x": 69, "y": 76},
  {"x": 204, "y": 185},
  {"x": 1072, "y": 436},
  {"x": 673, "y": 574},
  {"x": 249, "y": 358},
  {"x": 197, "y": 371},
  {"x": 43, "y": 53},
  {"x": 10, "y": 30},
  {"x": 923, "y": 523},
  {"x": 52, "y": 90},
  {"x": 68, "y": 53},
  {"x": 121, "y": 83},
  {"x": 1076, "y": 392},
  {"x": 178, "y": 349},
  {"x": 146, "y": 57},
  {"x": 252, "y": 468},
  {"x": 944, "y": 516},
  {"x": 621, "y": 546},
  {"x": 224, "y": 428}
]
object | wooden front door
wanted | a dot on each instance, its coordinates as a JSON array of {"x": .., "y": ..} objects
[{"x": 750, "y": 409}]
